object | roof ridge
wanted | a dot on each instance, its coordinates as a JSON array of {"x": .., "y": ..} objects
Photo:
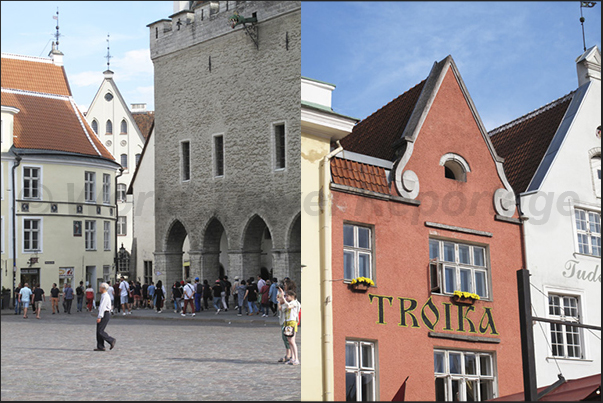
[
  {"x": 28, "y": 58},
  {"x": 36, "y": 94},
  {"x": 530, "y": 115}
]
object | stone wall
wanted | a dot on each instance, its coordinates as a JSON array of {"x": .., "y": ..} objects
[{"x": 211, "y": 79}]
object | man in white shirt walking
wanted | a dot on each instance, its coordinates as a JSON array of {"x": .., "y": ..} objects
[
  {"x": 104, "y": 314},
  {"x": 189, "y": 298}
]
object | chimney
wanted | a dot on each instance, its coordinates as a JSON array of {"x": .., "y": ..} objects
[
  {"x": 56, "y": 55},
  {"x": 140, "y": 107}
]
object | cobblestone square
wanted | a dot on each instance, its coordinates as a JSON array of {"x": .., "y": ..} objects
[{"x": 157, "y": 357}]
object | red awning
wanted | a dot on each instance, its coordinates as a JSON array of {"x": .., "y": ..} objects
[{"x": 581, "y": 389}]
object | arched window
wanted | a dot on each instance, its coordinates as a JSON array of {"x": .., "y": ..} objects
[
  {"x": 109, "y": 127},
  {"x": 455, "y": 167},
  {"x": 137, "y": 156},
  {"x": 124, "y": 127},
  {"x": 95, "y": 126},
  {"x": 124, "y": 161},
  {"x": 595, "y": 165}
]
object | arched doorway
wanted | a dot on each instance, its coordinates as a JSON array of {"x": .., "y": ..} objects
[
  {"x": 294, "y": 251},
  {"x": 257, "y": 248},
  {"x": 215, "y": 251},
  {"x": 174, "y": 250}
]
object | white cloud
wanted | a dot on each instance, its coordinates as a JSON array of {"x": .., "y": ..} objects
[
  {"x": 85, "y": 79},
  {"x": 133, "y": 65}
]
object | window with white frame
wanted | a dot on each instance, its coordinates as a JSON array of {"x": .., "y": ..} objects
[
  {"x": 122, "y": 225},
  {"x": 357, "y": 252},
  {"x": 107, "y": 235},
  {"x": 588, "y": 228},
  {"x": 280, "y": 149},
  {"x": 463, "y": 375},
  {"x": 566, "y": 340},
  {"x": 106, "y": 188},
  {"x": 121, "y": 192},
  {"x": 90, "y": 234},
  {"x": 32, "y": 235},
  {"x": 219, "y": 155},
  {"x": 89, "y": 186},
  {"x": 458, "y": 267},
  {"x": 360, "y": 372},
  {"x": 31, "y": 182}
]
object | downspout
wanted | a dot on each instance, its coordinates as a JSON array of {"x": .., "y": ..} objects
[
  {"x": 14, "y": 226},
  {"x": 326, "y": 287},
  {"x": 121, "y": 172}
]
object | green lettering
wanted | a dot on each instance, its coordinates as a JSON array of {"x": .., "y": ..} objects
[
  {"x": 429, "y": 304},
  {"x": 447, "y": 306},
  {"x": 381, "y": 321},
  {"x": 463, "y": 317},
  {"x": 404, "y": 311},
  {"x": 487, "y": 314}
]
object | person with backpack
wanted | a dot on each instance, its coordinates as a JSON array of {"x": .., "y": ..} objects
[
  {"x": 79, "y": 292},
  {"x": 198, "y": 294}
]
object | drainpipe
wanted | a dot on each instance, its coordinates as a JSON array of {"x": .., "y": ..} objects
[
  {"x": 14, "y": 226},
  {"x": 326, "y": 287},
  {"x": 121, "y": 172}
]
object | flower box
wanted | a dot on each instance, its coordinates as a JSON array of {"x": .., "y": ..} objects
[
  {"x": 359, "y": 287},
  {"x": 464, "y": 298}
]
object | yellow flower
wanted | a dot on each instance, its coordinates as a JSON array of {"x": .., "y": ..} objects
[{"x": 463, "y": 294}]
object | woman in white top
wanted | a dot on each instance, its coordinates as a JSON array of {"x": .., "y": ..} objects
[{"x": 290, "y": 306}]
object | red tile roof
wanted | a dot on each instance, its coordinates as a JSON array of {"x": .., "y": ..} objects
[
  {"x": 34, "y": 74},
  {"x": 48, "y": 119},
  {"x": 523, "y": 142},
  {"x": 359, "y": 175},
  {"x": 375, "y": 136},
  {"x": 581, "y": 389},
  {"x": 144, "y": 121}
]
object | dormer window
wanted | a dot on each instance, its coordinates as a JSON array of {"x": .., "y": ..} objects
[{"x": 455, "y": 167}]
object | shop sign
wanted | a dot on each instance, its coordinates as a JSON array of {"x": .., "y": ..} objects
[
  {"x": 571, "y": 270},
  {"x": 465, "y": 319},
  {"x": 49, "y": 262},
  {"x": 29, "y": 271},
  {"x": 66, "y": 272}
]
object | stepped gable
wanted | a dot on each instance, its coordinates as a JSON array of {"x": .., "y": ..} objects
[
  {"x": 376, "y": 135},
  {"x": 523, "y": 142},
  {"x": 359, "y": 175},
  {"x": 48, "y": 118}
]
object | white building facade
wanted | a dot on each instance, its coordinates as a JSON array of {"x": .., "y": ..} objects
[
  {"x": 561, "y": 199},
  {"x": 116, "y": 127}
]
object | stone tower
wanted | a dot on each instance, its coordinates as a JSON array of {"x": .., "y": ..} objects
[{"x": 227, "y": 122}]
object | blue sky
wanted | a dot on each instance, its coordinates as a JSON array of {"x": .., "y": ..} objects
[
  {"x": 513, "y": 56},
  {"x": 28, "y": 29}
]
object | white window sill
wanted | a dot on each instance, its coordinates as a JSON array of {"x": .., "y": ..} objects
[
  {"x": 578, "y": 254},
  {"x": 577, "y": 360}
]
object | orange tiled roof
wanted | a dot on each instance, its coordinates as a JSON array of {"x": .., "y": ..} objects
[
  {"x": 48, "y": 119},
  {"x": 524, "y": 141},
  {"x": 144, "y": 121},
  {"x": 36, "y": 74},
  {"x": 359, "y": 175},
  {"x": 376, "y": 135}
]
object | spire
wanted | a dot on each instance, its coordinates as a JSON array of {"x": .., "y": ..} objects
[
  {"x": 108, "y": 57},
  {"x": 55, "y": 54},
  {"x": 587, "y": 4}
]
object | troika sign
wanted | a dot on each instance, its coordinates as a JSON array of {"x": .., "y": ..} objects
[{"x": 447, "y": 316}]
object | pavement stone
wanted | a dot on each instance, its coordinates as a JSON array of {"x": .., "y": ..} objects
[{"x": 157, "y": 357}]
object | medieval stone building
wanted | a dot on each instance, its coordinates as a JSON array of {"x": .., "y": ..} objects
[{"x": 227, "y": 127}]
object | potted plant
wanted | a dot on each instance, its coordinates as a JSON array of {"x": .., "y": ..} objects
[
  {"x": 361, "y": 284},
  {"x": 464, "y": 298}
]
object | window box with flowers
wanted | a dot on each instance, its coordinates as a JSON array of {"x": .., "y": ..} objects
[
  {"x": 361, "y": 284},
  {"x": 464, "y": 298}
]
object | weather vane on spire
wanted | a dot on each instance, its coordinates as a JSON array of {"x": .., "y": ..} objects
[
  {"x": 108, "y": 54},
  {"x": 587, "y": 4},
  {"x": 57, "y": 35}
]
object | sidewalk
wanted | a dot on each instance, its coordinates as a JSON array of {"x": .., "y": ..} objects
[{"x": 228, "y": 317}]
